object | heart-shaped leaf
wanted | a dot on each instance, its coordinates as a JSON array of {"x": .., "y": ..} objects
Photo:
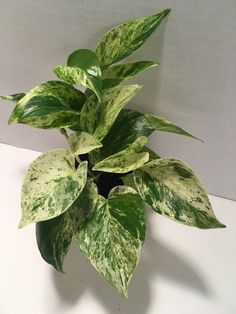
[
  {"x": 125, "y": 38},
  {"x": 119, "y": 73},
  {"x": 52, "y": 104},
  {"x": 97, "y": 118},
  {"x": 113, "y": 237},
  {"x": 172, "y": 189},
  {"x": 54, "y": 235},
  {"x": 82, "y": 143},
  {"x": 51, "y": 185}
]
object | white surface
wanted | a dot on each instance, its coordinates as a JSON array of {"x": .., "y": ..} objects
[
  {"x": 182, "y": 270},
  {"x": 194, "y": 86}
]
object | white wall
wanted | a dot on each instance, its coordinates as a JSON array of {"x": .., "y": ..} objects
[{"x": 194, "y": 87}]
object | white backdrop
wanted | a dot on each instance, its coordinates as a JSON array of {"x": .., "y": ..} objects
[{"x": 194, "y": 87}]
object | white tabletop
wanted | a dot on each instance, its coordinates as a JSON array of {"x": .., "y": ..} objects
[{"x": 182, "y": 270}]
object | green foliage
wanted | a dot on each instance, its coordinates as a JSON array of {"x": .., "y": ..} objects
[{"x": 96, "y": 190}]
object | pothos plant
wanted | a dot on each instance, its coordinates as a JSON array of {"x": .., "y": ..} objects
[{"x": 96, "y": 190}]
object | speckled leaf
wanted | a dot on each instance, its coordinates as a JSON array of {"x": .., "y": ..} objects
[
  {"x": 75, "y": 75},
  {"x": 172, "y": 189},
  {"x": 121, "y": 163},
  {"x": 52, "y": 104},
  {"x": 54, "y": 235},
  {"x": 125, "y": 38},
  {"x": 152, "y": 154},
  {"x": 51, "y": 185},
  {"x": 14, "y": 97},
  {"x": 129, "y": 126},
  {"x": 82, "y": 143},
  {"x": 116, "y": 74},
  {"x": 135, "y": 147},
  {"x": 113, "y": 237},
  {"x": 97, "y": 118},
  {"x": 54, "y": 238},
  {"x": 161, "y": 124}
]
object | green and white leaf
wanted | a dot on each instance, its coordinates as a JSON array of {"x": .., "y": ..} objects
[
  {"x": 53, "y": 238},
  {"x": 119, "y": 73},
  {"x": 161, "y": 124},
  {"x": 135, "y": 147},
  {"x": 97, "y": 118},
  {"x": 125, "y": 38},
  {"x": 52, "y": 104},
  {"x": 171, "y": 188},
  {"x": 75, "y": 75},
  {"x": 152, "y": 154},
  {"x": 113, "y": 237},
  {"x": 54, "y": 235},
  {"x": 129, "y": 126},
  {"x": 51, "y": 185},
  {"x": 14, "y": 97},
  {"x": 121, "y": 163},
  {"x": 82, "y": 143}
]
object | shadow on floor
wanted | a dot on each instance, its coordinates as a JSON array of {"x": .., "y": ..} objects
[{"x": 156, "y": 261}]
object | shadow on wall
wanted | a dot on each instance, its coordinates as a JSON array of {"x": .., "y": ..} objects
[{"x": 156, "y": 261}]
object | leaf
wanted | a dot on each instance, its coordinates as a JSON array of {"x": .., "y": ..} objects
[
  {"x": 113, "y": 237},
  {"x": 97, "y": 118},
  {"x": 125, "y": 38},
  {"x": 75, "y": 75},
  {"x": 152, "y": 154},
  {"x": 122, "y": 163},
  {"x": 172, "y": 189},
  {"x": 54, "y": 235},
  {"x": 53, "y": 238},
  {"x": 113, "y": 76},
  {"x": 161, "y": 124},
  {"x": 51, "y": 185},
  {"x": 14, "y": 97},
  {"x": 135, "y": 147},
  {"x": 91, "y": 75},
  {"x": 82, "y": 143},
  {"x": 129, "y": 126},
  {"x": 52, "y": 104}
]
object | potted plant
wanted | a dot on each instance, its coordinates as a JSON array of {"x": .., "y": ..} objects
[{"x": 96, "y": 190}]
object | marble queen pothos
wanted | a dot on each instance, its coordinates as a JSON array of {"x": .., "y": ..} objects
[{"x": 96, "y": 190}]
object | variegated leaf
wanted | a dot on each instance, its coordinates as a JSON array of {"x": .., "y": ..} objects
[
  {"x": 113, "y": 237},
  {"x": 53, "y": 238},
  {"x": 132, "y": 148},
  {"x": 129, "y": 126},
  {"x": 116, "y": 74},
  {"x": 76, "y": 75},
  {"x": 82, "y": 143},
  {"x": 121, "y": 163},
  {"x": 97, "y": 118},
  {"x": 54, "y": 235},
  {"x": 161, "y": 124},
  {"x": 125, "y": 38},
  {"x": 14, "y": 97},
  {"x": 52, "y": 104},
  {"x": 51, "y": 185},
  {"x": 172, "y": 189},
  {"x": 152, "y": 154}
]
